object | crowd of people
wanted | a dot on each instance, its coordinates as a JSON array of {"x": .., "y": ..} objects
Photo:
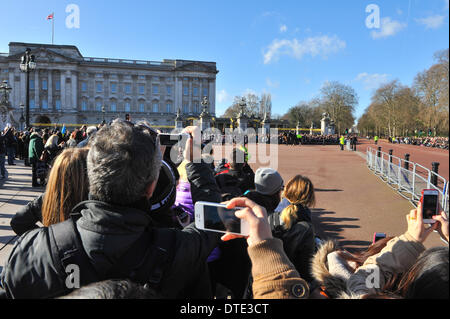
[
  {"x": 291, "y": 138},
  {"x": 436, "y": 142},
  {"x": 118, "y": 206}
]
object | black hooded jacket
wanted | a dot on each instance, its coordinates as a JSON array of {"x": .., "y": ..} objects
[{"x": 107, "y": 232}]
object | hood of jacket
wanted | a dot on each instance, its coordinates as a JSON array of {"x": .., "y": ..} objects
[
  {"x": 108, "y": 231},
  {"x": 35, "y": 136},
  {"x": 334, "y": 286}
]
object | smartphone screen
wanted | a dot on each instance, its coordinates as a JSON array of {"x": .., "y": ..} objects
[
  {"x": 169, "y": 139},
  {"x": 221, "y": 219},
  {"x": 429, "y": 206},
  {"x": 378, "y": 236}
]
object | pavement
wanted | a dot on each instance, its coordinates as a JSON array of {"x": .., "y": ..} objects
[{"x": 15, "y": 192}]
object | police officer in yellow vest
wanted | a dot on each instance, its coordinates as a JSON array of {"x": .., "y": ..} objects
[
  {"x": 376, "y": 140},
  {"x": 342, "y": 142}
]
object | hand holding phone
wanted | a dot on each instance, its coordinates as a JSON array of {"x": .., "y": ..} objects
[
  {"x": 430, "y": 205},
  {"x": 255, "y": 216},
  {"x": 416, "y": 225},
  {"x": 218, "y": 218}
]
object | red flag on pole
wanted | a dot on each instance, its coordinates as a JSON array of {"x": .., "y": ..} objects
[{"x": 50, "y": 16}]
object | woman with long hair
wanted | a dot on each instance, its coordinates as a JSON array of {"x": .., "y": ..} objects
[
  {"x": 295, "y": 227},
  {"x": 67, "y": 186},
  {"x": 394, "y": 267}
]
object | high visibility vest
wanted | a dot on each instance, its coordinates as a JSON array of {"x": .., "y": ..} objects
[{"x": 342, "y": 140}]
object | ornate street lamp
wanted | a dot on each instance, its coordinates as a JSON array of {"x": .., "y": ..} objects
[
  {"x": 27, "y": 65},
  {"x": 22, "y": 119}
]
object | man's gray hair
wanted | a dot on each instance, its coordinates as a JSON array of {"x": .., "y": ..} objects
[{"x": 123, "y": 160}]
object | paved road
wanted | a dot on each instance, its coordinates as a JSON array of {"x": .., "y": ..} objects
[
  {"x": 15, "y": 192},
  {"x": 352, "y": 203}
]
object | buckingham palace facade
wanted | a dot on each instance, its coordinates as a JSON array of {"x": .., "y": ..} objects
[{"x": 71, "y": 89}]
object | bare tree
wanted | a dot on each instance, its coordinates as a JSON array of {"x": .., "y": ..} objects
[{"x": 339, "y": 100}]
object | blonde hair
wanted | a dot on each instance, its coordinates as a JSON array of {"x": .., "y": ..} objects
[
  {"x": 298, "y": 190},
  {"x": 67, "y": 186},
  {"x": 182, "y": 171}
]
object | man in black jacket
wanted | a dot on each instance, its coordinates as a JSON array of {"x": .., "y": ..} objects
[
  {"x": 115, "y": 229},
  {"x": 236, "y": 177}
]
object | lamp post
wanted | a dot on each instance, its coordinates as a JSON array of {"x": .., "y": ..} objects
[
  {"x": 27, "y": 65},
  {"x": 22, "y": 119}
]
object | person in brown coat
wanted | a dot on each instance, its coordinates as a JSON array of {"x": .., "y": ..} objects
[{"x": 274, "y": 276}]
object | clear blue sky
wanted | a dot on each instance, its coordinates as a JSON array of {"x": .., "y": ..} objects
[{"x": 288, "y": 48}]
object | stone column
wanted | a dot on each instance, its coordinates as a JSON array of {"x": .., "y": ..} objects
[
  {"x": 64, "y": 105},
  {"x": 50, "y": 90},
  {"x": 74, "y": 91},
  {"x": 36, "y": 88},
  {"x": 12, "y": 96},
  {"x": 23, "y": 87},
  {"x": 212, "y": 96},
  {"x": 175, "y": 94},
  {"x": 200, "y": 94},
  {"x": 190, "y": 95}
]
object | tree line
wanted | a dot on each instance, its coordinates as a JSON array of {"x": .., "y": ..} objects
[
  {"x": 399, "y": 110},
  {"x": 336, "y": 99}
]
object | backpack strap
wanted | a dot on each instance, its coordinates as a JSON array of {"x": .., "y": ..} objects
[
  {"x": 67, "y": 248},
  {"x": 149, "y": 267},
  {"x": 144, "y": 262}
]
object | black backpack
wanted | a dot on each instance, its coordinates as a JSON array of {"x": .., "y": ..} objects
[{"x": 146, "y": 269}]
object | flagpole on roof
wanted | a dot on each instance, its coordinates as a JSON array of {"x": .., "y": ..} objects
[{"x": 53, "y": 28}]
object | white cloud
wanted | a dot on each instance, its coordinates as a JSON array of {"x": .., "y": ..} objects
[
  {"x": 320, "y": 45},
  {"x": 223, "y": 96},
  {"x": 432, "y": 22},
  {"x": 283, "y": 28},
  {"x": 389, "y": 28},
  {"x": 372, "y": 81}
]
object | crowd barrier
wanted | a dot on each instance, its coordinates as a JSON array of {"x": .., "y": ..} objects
[{"x": 407, "y": 177}]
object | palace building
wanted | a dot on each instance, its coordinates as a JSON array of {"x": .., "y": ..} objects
[{"x": 68, "y": 88}]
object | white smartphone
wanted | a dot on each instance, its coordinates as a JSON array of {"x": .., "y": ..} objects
[
  {"x": 217, "y": 218},
  {"x": 430, "y": 205}
]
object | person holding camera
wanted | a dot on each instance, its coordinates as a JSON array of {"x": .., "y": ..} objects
[
  {"x": 404, "y": 268},
  {"x": 112, "y": 234},
  {"x": 274, "y": 275}
]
